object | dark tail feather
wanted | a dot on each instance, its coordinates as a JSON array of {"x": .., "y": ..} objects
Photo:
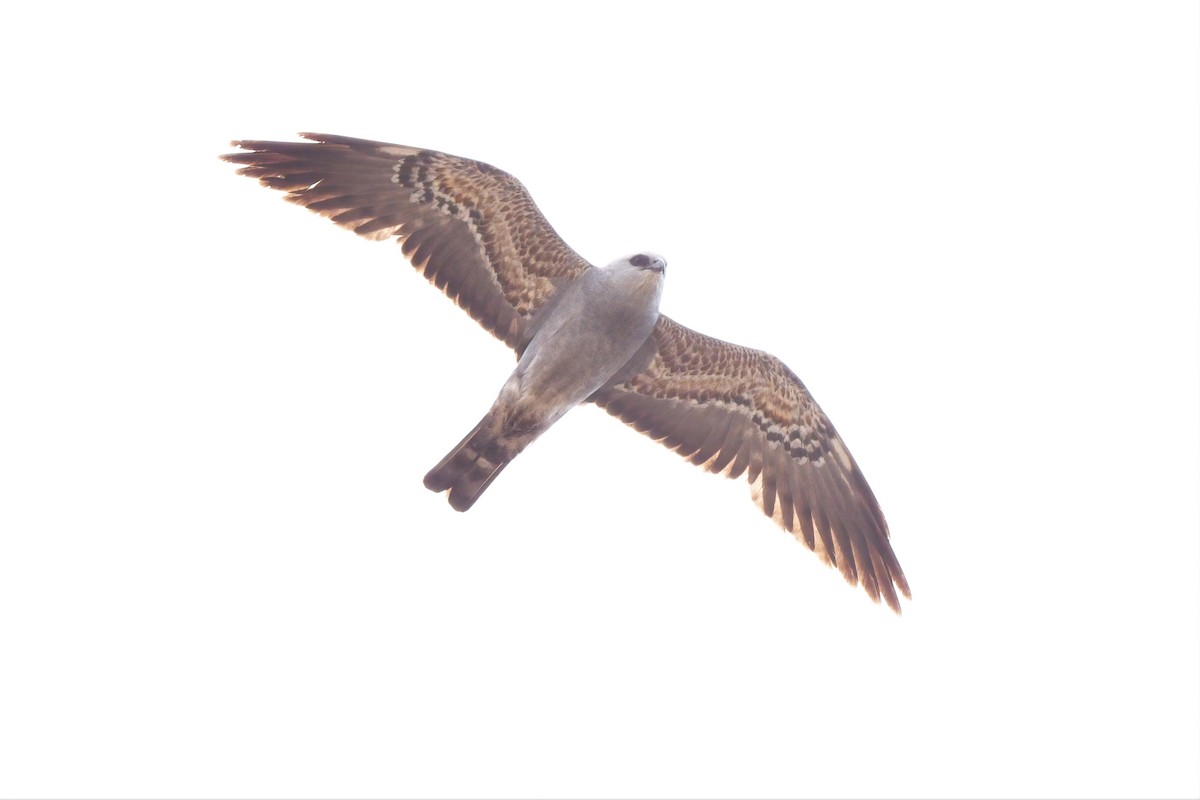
[{"x": 468, "y": 469}]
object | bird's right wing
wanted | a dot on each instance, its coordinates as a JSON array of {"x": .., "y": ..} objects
[
  {"x": 734, "y": 410},
  {"x": 473, "y": 230}
]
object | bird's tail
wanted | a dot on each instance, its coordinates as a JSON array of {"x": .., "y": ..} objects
[{"x": 471, "y": 466}]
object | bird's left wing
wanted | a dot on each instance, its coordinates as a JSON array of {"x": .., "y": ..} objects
[
  {"x": 734, "y": 410},
  {"x": 472, "y": 229}
]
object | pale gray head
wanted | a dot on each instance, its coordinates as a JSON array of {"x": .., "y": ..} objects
[{"x": 640, "y": 262}]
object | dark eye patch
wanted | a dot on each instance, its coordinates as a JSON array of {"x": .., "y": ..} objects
[{"x": 640, "y": 260}]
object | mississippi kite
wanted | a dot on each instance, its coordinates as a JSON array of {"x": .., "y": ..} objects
[{"x": 585, "y": 333}]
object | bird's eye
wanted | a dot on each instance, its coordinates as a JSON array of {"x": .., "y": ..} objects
[{"x": 640, "y": 260}]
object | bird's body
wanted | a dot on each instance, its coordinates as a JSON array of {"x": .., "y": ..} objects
[
  {"x": 585, "y": 333},
  {"x": 591, "y": 330}
]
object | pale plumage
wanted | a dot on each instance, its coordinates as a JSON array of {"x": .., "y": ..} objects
[{"x": 474, "y": 231}]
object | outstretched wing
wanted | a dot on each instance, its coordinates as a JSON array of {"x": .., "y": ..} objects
[
  {"x": 734, "y": 410},
  {"x": 473, "y": 230}
]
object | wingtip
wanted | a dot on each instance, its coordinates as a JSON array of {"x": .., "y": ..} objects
[
  {"x": 893, "y": 600},
  {"x": 882, "y": 589}
]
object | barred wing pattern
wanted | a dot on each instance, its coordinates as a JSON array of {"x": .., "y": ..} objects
[
  {"x": 472, "y": 229},
  {"x": 734, "y": 410}
]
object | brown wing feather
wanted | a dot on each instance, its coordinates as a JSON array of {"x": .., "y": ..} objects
[
  {"x": 731, "y": 410},
  {"x": 471, "y": 229}
]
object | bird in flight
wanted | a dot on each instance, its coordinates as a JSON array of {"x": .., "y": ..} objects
[{"x": 584, "y": 333}]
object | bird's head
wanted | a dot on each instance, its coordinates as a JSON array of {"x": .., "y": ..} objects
[
  {"x": 648, "y": 262},
  {"x": 639, "y": 275}
]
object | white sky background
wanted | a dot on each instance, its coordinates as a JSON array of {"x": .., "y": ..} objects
[{"x": 970, "y": 228}]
